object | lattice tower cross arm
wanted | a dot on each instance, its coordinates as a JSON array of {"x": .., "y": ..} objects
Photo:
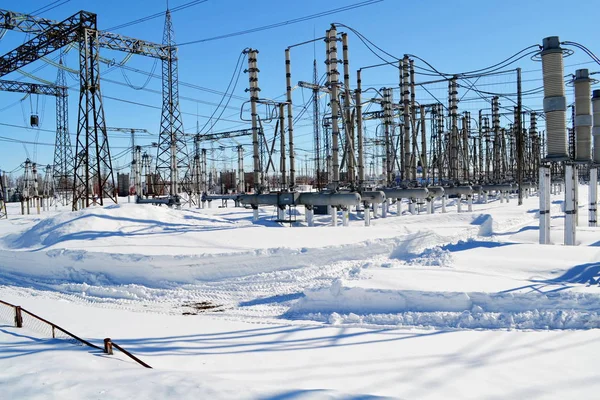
[
  {"x": 47, "y": 41},
  {"x": 30, "y": 24},
  {"x": 32, "y": 88}
]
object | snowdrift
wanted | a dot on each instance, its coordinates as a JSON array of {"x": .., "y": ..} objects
[{"x": 467, "y": 310}]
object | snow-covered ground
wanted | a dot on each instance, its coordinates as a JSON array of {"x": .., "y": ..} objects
[{"x": 455, "y": 305}]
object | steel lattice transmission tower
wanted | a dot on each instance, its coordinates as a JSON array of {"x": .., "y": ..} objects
[
  {"x": 172, "y": 160},
  {"x": 63, "y": 166},
  {"x": 93, "y": 166},
  {"x": 93, "y": 175}
]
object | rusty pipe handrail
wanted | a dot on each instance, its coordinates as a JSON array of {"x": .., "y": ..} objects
[
  {"x": 129, "y": 354},
  {"x": 54, "y": 326}
]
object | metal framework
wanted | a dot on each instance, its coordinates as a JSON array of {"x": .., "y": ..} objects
[
  {"x": 63, "y": 154},
  {"x": 64, "y": 163},
  {"x": 93, "y": 175},
  {"x": 135, "y": 177},
  {"x": 223, "y": 135},
  {"x": 172, "y": 158},
  {"x": 30, "y": 24}
]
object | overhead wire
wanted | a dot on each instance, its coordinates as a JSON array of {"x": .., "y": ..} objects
[
  {"x": 131, "y": 85},
  {"x": 284, "y": 23},
  {"x": 500, "y": 65},
  {"x": 156, "y": 15},
  {"x": 235, "y": 76},
  {"x": 49, "y": 7},
  {"x": 585, "y": 50}
]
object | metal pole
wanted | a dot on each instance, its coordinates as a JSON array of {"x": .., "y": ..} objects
[
  {"x": 138, "y": 171},
  {"x": 465, "y": 145},
  {"x": 241, "y": 185},
  {"x": 317, "y": 127},
  {"x": 204, "y": 172},
  {"x": 497, "y": 144},
  {"x": 423, "y": 145},
  {"x": 282, "y": 148},
  {"x": 520, "y": 140},
  {"x": 359, "y": 131},
  {"x": 441, "y": 164},
  {"x": 349, "y": 125}
]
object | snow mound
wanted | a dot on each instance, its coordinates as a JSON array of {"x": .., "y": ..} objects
[
  {"x": 122, "y": 220},
  {"x": 467, "y": 310},
  {"x": 413, "y": 245}
]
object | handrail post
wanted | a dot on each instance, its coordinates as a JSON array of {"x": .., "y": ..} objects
[
  {"x": 18, "y": 317},
  {"x": 108, "y": 346}
]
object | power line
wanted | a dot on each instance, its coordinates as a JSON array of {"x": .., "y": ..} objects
[
  {"x": 158, "y": 92},
  {"x": 49, "y": 7},
  {"x": 284, "y": 23},
  {"x": 194, "y": 86},
  {"x": 157, "y": 15},
  {"x": 238, "y": 71},
  {"x": 155, "y": 107}
]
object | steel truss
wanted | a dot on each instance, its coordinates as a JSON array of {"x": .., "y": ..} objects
[
  {"x": 172, "y": 160},
  {"x": 93, "y": 174},
  {"x": 63, "y": 154}
]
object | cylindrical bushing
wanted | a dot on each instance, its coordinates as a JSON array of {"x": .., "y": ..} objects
[
  {"x": 555, "y": 104},
  {"x": 596, "y": 127},
  {"x": 583, "y": 115}
]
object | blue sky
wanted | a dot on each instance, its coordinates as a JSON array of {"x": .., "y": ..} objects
[{"x": 452, "y": 36}]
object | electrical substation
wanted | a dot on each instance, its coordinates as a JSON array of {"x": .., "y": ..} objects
[{"x": 431, "y": 137}]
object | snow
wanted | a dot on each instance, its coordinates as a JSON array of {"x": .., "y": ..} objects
[{"x": 456, "y": 305}]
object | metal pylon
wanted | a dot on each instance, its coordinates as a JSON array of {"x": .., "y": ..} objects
[
  {"x": 63, "y": 166},
  {"x": 172, "y": 162},
  {"x": 94, "y": 177}
]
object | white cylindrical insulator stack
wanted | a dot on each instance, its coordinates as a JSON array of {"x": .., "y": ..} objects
[
  {"x": 583, "y": 115},
  {"x": 440, "y": 133},
  {"x": 555, "y": 104},
  {"x": 388, "y": 119},
  {"x": 534, "y": 139},
  {"x": 333, "y": 83},
  {"x": 290, "y": 117},
  {"x": 406, "y": 114},
  {"x": 596, "y": 127},
  {"x": 496, "y": 143},
  {"x": 254, "y": 97},
  {"x": 453, "y": 110}
]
